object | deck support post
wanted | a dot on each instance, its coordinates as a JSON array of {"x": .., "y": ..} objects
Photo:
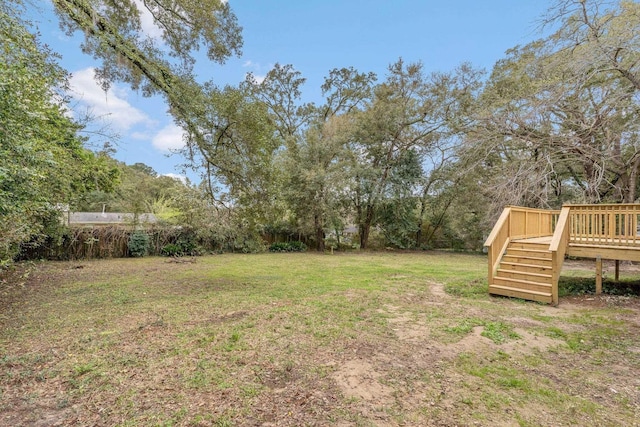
[
  {"x": 598, "y": 275},
  {"x": 617, "y": 270}
]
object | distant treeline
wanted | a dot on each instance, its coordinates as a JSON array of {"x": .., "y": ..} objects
[{"x": 119, "y": 241}]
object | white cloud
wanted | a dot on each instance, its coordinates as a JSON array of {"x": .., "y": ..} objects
[
  {"x": 258, "y": 70},
  {"x": 111, "y": 106},
  {"x": 179, "y": 177},
  {"x": 149, "y": 27},
  {"x": 142, "y": 136},
  {"x": 169, "y": 138},
  {"x": 259, "y": 79}
]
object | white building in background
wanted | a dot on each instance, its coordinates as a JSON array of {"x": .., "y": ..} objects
[{"x": 93, "y": 219}]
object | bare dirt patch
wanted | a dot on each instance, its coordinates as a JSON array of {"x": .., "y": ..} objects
[
  {"x": 359, "y": 379},
  {"x": 437, "y": 290}
]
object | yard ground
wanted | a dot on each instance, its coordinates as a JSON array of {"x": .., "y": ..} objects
[{"x": 372, "y": 339}]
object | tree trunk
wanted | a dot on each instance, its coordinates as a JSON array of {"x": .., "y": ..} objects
[
  {"x": 365, "y": 227},
  {"x": 319, "y": 233},
  {"x": 592, "y": 193},
  {"x": 423, "y": 208},
  {"x": 633, "y": 179}
]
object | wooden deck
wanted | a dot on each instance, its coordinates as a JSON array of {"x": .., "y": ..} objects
[{"x": 527, "y": 247}]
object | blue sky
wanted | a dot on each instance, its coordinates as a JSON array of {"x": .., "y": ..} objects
[{"x": 315, "y": 36}]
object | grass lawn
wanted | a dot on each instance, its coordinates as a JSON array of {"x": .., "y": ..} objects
[{"x": 365, "y": 339}]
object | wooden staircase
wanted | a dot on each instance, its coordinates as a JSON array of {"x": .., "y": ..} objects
[
  {"x": 526, "y": 247},
  {"x": 525, "y": 271}
]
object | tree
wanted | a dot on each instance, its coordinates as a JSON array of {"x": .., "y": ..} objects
[
  {"x": 43, "y": 164},
  {"x": 314, "y": 176},
  {"x": 280, "y": 92},
  {"x": 405, "y": 115},
  {"x": 114, "y": 34},
  {"x": 315, "y": 164},
  {"x": 455, "y": 99},
  {"x": 558, "y": 113},
  {"x": 604, "y": 47},
  {"x": 287, "y": 118},
  {"x": 242, "y": 154},
  {"x": 396, "y": 215},
  {"x": 140, "y": 189}
]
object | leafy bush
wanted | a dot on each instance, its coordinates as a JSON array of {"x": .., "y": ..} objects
[
  {"x": 138, "y": 244},
  {"x": 278, "y": 247},
  {"x": 184, "y": 245},
  {"x": 287, "y": 247},
  {"x": 188, "y": 246},
  {"x": 171, "y": 250},
  {"x": 297, "y": 247}
]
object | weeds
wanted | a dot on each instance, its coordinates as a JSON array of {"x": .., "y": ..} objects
[{"x": 499, "y": 332}]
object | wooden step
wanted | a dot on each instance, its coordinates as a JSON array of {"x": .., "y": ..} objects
[
  {"x": 523, "y": 285},
  {"x": 529, "y": 245},
  {"x": 526, "y": 275},
  {"x": 508, "y": 291},
  {"x": 545, "y": 269},
  {"x": 535, "y": 253},
  {"x": 547, "y": 262}
]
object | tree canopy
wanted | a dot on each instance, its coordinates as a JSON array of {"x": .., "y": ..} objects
[
  {"x": 43, "y": 164},
  {"x": 410, "y": 158}
]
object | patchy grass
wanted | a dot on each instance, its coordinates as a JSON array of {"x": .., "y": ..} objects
[{"x": 307, "y": 339}]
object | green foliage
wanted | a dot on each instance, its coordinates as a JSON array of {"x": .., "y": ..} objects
[
  {"x": 43, "y": 164},
  {"x": 287, "y": 247},
  {"x": 397, "y": 219},
  {"x": 499, "y": 332},
  {"x": 138, "y": 189},
  {"x": 397, "y": 214},
  {"x": 138, "y": 244},
  {"x": 297, "y": 247},
  {"x": 172, "y": 250},
  {"x": 476, "y": 288},
  {"x": 184, "y": 245},
  {"x": 278, "y": 247},
  {"x": 423, "y": 160}
]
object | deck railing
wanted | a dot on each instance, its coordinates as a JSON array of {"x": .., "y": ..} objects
[
  {"x": 609, "y": 229},
  {"x": 608, "y": 225},
  {"x": 517, "y": 223},
  {"x": 526, "y": 223},
  {"x": 558, "y": 248}
]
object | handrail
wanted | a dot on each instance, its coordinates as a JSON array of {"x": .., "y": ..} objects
[
  {"x": 497, "y": 241},
  {"x": 504, "y": 217},
  {"x": 591, "y": 205},
  {"x": 543, "y": 226},
  {"x": 558, "y": 248},
  {"x": 561, "y": 233}
]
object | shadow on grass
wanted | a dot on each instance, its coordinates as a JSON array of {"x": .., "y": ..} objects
[{"x": 587, "y": 286}]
